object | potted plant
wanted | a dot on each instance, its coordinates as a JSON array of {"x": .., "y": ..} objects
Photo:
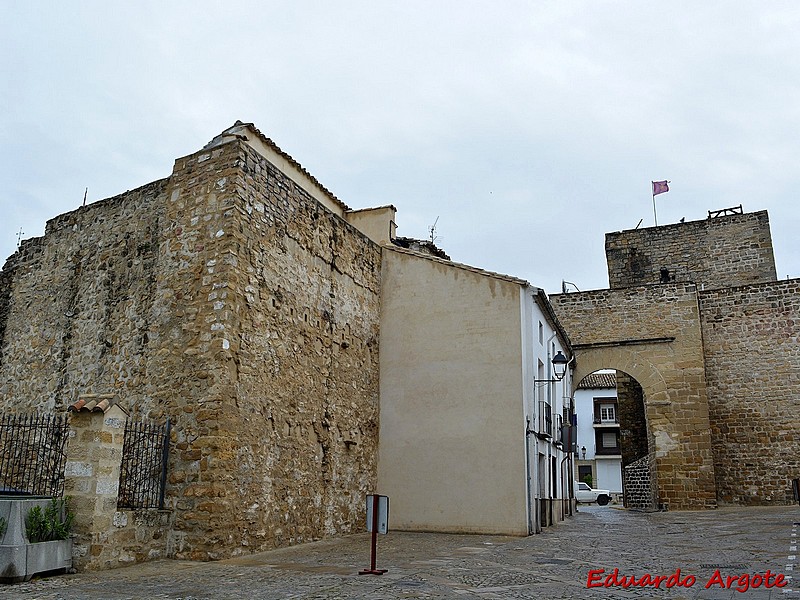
[
  {"x": 52, "y": 523},
  {"x": 36, "y": 537}
]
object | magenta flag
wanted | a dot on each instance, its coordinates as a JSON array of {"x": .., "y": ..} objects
[{"x": 659, "y": 187}]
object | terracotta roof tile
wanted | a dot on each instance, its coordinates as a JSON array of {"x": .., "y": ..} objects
[
  {"x": 421, "y": 246},
  {"x": 94, "y": 403},
  {"x": 598, "y": 381}
]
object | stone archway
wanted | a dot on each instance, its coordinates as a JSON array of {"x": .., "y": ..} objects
[
  {"x": 653, "y": 334},
  {"x": 636, "y": 447},
  {"x": 635, "y": 364}
]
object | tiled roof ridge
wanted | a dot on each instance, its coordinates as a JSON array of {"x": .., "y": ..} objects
[
  {"x": 598, "y": 381},
  {"x": 355, "y": 210},
  {"x": 94, "y": 403},
  {"x": 461, "y": 266},
  {"x": 288, "y": 157},
  {"x": 408, "y": 242}
]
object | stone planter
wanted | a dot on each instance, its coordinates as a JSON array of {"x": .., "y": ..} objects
[{"x": 20, "y": 559}]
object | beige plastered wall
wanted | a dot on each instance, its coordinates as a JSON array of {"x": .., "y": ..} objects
[
  {"x": 452, "y": 446},
  {"x": 376, "y": 223}
]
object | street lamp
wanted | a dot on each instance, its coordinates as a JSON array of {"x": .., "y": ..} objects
[
  {"x": 560, "y": 363},
  {"x": 583, "y": 452}
]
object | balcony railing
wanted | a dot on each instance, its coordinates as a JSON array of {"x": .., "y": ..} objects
[
  {"x": 545, "y": 420},
  {"x": 557, "y": 425},
  {"x": 600, "y": 421}
]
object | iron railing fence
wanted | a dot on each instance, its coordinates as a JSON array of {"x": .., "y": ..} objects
[
  {"x": 33, "y": 454},
  {"x": 143, "y": 472},
  {"x": 599, "y": 421},
  {"x": 545, "y": 428}
]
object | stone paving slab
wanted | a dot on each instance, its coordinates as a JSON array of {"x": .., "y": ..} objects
[{"x": 553, "y": 565}]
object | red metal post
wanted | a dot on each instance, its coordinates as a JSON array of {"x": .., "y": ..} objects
[{"x": 374, "y": 551}]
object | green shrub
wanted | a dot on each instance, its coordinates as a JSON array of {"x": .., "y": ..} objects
[{"x": 52, "y": 523}]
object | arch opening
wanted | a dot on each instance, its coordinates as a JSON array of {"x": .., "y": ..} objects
[
  {"x": 677, "y": 471},
  {"x": 615, "y": 448}
]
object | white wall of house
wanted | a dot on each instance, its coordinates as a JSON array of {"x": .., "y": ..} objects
[
  {"x": 549, "y": 472},
  {"x": 609, "y": 474},
  {"x": 376, "y": 223},
  {"x": 606, "y": 471},
  {"x": 452, "y": 424},
  {"x": 584, "y": 409}
]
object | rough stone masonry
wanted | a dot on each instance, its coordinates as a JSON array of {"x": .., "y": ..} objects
[
  {"x": 695, "y": 314},
  {"x": 229, "y": 299},
  {"x": 234, "y": 299}
]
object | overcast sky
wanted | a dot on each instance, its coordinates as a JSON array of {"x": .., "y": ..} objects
[{"x": 528, "y": 129}]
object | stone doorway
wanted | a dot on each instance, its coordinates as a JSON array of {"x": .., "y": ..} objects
[
  {"x": 614, "y": 449},
  {"x": 664, "y": 438}
]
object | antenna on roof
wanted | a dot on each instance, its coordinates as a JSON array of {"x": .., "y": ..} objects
[
  {"x": 639, "y": 223},
  {"x": 20, "y": 233},
  {"x": 84, "y": 196},
  {"x": 432, "y": 229}
]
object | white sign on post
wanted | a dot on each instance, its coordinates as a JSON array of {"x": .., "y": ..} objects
[{"x": 383, "y": 513}]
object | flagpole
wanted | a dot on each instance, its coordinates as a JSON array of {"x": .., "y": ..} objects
[{"x": 653, "y": 190}]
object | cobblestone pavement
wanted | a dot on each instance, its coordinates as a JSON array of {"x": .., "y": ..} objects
[{"x": 555, "y": 564}]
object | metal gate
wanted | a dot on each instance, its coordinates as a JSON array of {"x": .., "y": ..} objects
[
  {"x": 143, "y": 472},
  {"x": 33, "y": 454}
]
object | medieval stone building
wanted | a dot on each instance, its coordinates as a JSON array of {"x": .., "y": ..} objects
[
  {"x": 243, "y": 301},
  {"x": 235, "y": 298},
  {"x": 274, "y": 325},
  {"x": 707, "y": 337}
]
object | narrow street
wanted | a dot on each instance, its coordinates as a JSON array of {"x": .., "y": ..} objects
[{"x": 707, "y": 547}]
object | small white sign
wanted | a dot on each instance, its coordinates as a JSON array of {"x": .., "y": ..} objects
[{"x": 383, "y": 513}]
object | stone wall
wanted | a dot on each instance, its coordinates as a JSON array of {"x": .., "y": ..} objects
[
  {"x": 729, "y": 348},
  {"x": 752, "y": 348},
  {"x": 230, "y": 300},
  {"x": 78, "y": 302},
  {"x": 633, "y": 425},
  {"x": 6, "y": 282},
  {"x": 653, "y": 334},
  {"x": 713, "y": 253},
  {"x": 639, "y": 481},
  {"x": 307, "y": 307}
]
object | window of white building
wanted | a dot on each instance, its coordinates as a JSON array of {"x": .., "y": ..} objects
[{"x": 608, "y": 413}]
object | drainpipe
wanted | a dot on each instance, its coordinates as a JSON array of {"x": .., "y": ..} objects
[
  {"x": 534, "y": 525},
  {"x": 528, "y": 473},
  {"x": 548, "y": 469}
]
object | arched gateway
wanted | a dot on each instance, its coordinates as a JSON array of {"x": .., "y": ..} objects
[
  {"x": 696, "y": 315},
  {"x": 652, "y": 333}
]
